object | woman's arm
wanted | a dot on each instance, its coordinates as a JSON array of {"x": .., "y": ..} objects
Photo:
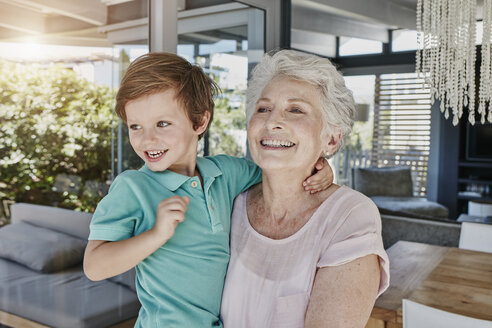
[{"x": 344, "y": 295}]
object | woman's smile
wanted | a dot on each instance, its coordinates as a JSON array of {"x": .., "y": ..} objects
[{"x": 276, "y": 144}]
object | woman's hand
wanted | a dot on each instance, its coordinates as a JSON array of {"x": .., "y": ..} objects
[{"x": 321, "y": 179}]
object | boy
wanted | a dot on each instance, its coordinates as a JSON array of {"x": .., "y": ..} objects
[{"x": 180, "y": 259}]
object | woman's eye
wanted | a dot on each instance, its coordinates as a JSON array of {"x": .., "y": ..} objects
[
  {"x": 262, "y": 110},
  {"x": 162, "y": 124},
  {"x": 134, "y": 127},
  {"x": 296, "y": 110}
]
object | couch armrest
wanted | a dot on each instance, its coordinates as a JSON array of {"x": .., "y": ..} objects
[{"x": 433, "y": 232}]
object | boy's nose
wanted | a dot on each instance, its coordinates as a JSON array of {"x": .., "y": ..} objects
[{"x": 149, "y": 135}]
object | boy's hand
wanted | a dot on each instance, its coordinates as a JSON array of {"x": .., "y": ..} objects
[
  {"x": 170, "y": 212},
  {"x": 321, "y": 179}
]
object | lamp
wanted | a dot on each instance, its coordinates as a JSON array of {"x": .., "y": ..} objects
[
  {"x": 447, "y": 53},
  {"x": 361, "y": 112}
]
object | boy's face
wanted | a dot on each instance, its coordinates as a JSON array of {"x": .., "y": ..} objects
[{"x": 162, "y": 134}]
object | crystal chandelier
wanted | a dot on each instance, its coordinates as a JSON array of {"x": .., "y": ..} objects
[{"x": 447, "y": 54}]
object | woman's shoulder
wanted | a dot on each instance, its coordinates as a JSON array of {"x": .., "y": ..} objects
[
  {"x": 346, "y": 203},
  {"x": 347, "y": 196}
]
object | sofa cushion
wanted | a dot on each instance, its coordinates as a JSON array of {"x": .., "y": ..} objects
[
  {"x": 64, "y": 299},
  {"x": 40, "y": 249},
  {"x": 384, "y": 181},
  {"x": 126, "y": 279},
  {"x": 410, "y": 207}
]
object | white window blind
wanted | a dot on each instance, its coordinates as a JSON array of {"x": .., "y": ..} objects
[{"x": 402, "y": 118}]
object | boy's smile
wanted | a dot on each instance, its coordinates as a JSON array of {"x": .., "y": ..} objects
[
  {"x": 155, "y": 155},
  {"x": 162, "y": 134}
]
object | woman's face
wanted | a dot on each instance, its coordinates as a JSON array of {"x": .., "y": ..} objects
[{"x": 285, "y": 129}]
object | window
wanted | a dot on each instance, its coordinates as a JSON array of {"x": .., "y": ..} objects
[
  {"x": 354, "y": 46},
  {"x": 357, "y": 149},
  {"x": 404, "y": 40},
  {"x": 222, "y": 55},
  {"x": 402, "y": 120}
]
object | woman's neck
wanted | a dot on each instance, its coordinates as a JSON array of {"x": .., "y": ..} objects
[{"x": 283, "y": 194}]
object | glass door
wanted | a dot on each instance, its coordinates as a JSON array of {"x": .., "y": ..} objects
[{"x": 225, "y": 41}]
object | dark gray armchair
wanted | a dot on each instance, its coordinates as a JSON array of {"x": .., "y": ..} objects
[{"x": 391, "y": 188}]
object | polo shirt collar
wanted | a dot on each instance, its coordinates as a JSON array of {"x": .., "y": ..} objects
[
  {"x": 208, "y": 169},
  {"x": 173, "y": 181}
]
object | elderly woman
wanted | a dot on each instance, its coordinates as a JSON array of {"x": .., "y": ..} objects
[{"x": 297, "y": 259}]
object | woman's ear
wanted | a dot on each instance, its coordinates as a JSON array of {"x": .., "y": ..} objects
[
  {"x": 199, "y": 129},
  {"x": 333, "y": 143}
]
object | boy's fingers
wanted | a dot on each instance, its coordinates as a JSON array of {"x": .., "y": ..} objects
[
  {"x": 175, "y": 204},
  {"x": 176, "y": 199},
  {"x": 312, "y": 187}
]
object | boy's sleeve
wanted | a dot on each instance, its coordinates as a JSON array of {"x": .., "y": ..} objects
[
  {"x": 117, "y": 213},
  {"x": 240, "y": 172}
]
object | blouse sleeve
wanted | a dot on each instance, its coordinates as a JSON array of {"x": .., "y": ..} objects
[{"x": 357, "y": 234}]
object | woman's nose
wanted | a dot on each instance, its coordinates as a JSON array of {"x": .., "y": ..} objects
[{"x": 275, "y": 120}]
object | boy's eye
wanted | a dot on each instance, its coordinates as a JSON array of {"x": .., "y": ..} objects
[
  {"x": 135, "y": 127},
  {"x": 162, "y": 124}
]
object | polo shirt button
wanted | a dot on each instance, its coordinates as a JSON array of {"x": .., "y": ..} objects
[{"x": 194, "y": 184}]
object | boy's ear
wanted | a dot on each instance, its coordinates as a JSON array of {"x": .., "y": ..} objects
[{"x": 199, "y": 129}]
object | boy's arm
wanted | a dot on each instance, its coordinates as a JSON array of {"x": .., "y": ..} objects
[
  {"x": 247, "y": 173},
  {"x": 104, "y": 259},
  {"x": 241, "y": 173},
  {"x": 321, "y": 178}
]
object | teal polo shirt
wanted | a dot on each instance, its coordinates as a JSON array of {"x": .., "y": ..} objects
[{"x": 180, "y": 284}]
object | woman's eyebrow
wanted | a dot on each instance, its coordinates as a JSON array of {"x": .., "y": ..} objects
[{"x": 300, "y": 100}]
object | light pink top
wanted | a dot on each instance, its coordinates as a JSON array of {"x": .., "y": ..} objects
[{"x": 269, "y": 282}]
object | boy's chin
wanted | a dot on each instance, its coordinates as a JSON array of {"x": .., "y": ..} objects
[{"x": 156, "y": 168}]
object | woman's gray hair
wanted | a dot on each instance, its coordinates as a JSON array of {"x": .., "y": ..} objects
[{"x": 337, "y": 102}]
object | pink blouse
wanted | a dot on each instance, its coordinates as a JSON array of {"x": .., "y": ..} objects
[{"x": 269, "y": 282}]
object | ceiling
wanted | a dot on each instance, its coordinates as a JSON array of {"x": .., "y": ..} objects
[
  {"x": 67, "y": 22},
  {"x": 72, "y": 22}
]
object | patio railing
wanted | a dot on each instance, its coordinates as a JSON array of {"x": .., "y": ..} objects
[{"x": 345, "y": 160}]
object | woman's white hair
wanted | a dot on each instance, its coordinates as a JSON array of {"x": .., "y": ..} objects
[{"x": 337, "y": 102}]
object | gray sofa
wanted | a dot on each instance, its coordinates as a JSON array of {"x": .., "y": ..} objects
[{"x": 41, "y": 276}]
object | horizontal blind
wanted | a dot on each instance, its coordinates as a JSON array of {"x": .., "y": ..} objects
[{"x": 402, "y": 121}]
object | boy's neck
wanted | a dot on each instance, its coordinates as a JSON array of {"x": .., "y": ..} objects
[{"x": 189, "y": 170}]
